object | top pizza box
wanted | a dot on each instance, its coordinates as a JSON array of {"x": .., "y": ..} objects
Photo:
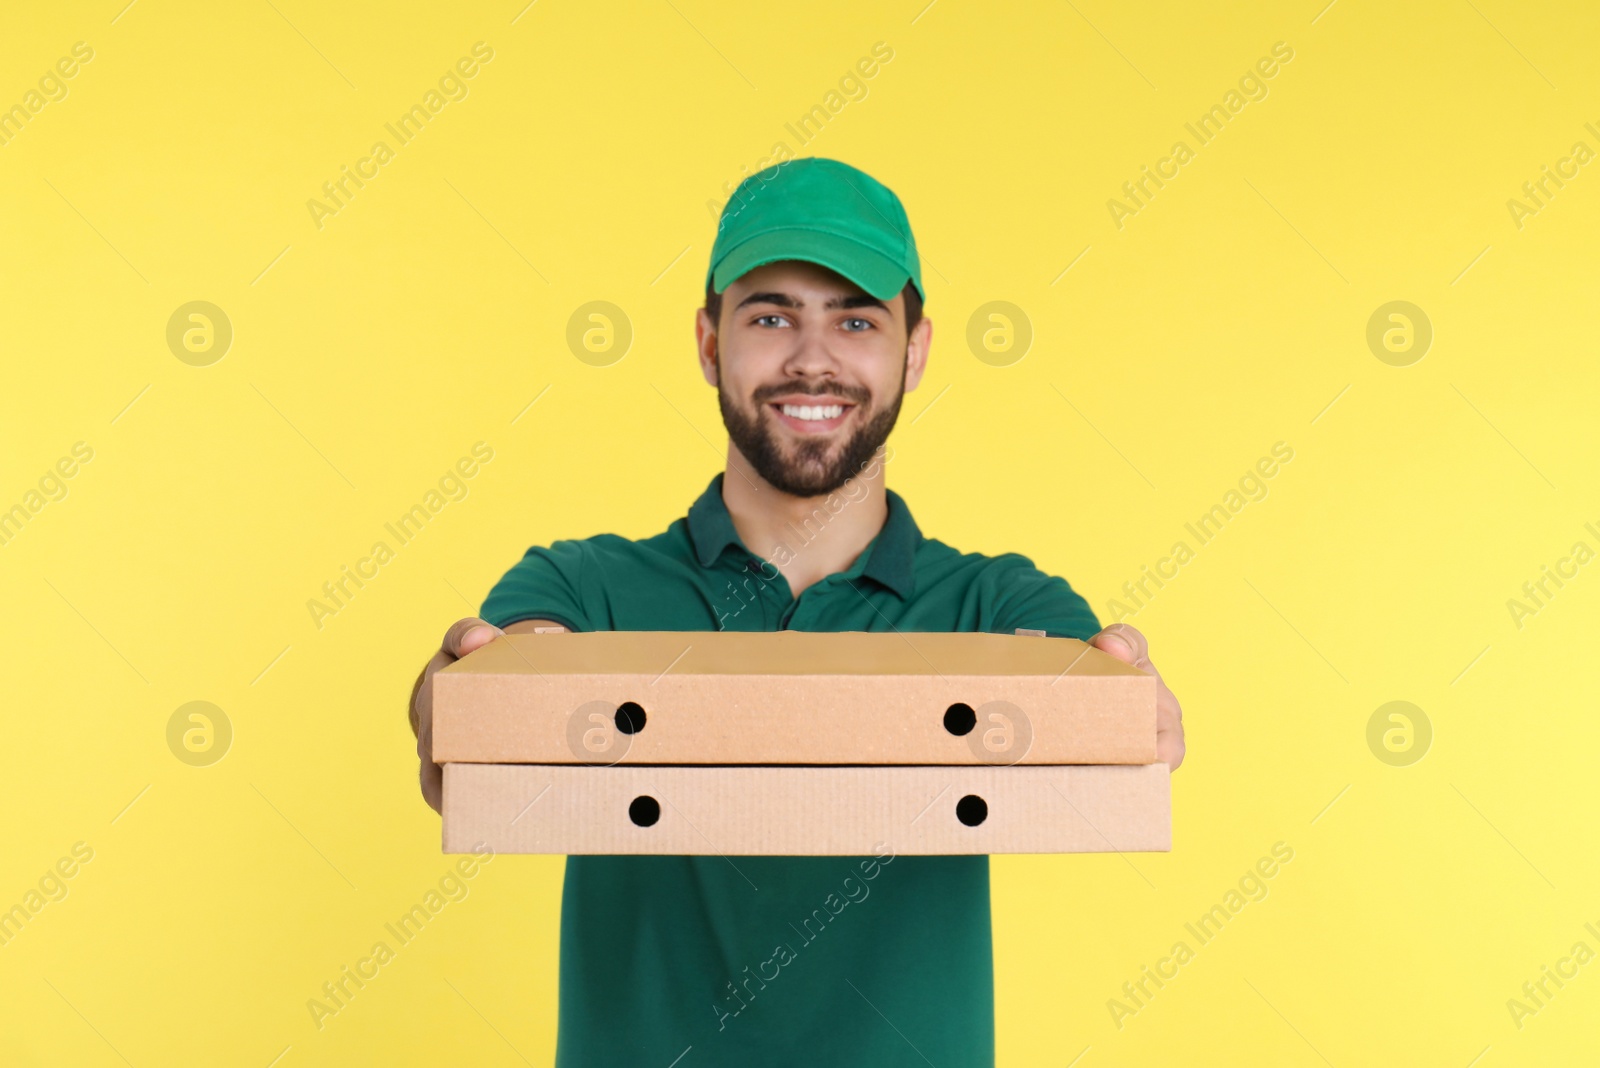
[{"x": 792, "y": 697}]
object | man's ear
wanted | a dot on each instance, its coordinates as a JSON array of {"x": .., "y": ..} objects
[
  {"x": 917, "y": 346},
  {"x": 705, "y": 337}
]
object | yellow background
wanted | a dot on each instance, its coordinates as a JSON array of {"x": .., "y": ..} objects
[{"x": 1224, "y": 317}]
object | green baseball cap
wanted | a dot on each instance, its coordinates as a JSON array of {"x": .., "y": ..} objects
[{"x": 821, "y": 211}]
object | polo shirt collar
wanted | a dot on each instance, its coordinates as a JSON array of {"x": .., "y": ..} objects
[{"x": 889, "y": 558}]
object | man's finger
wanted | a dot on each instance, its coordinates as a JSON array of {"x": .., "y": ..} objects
[
  {"x": 1123, "y": 642},
  {"x": 1170, "y": 749},
  {"x": 468, "y": 635},
  {"x": 1170, "y": 742}
]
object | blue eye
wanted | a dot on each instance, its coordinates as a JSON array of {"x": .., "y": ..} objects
[
  {"x": 770, "y": 320},
  {"x": 857, "y": 325}
]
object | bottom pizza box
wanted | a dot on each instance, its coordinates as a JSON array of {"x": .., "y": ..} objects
[{"x": 806, "y": 811}]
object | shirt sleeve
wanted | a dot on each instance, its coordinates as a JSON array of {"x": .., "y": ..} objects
[
  {"x": 1029, "y": 599},
  {"x": 544, "y": 584}
]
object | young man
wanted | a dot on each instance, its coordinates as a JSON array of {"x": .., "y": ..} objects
[{"x": 811, "y": 334}]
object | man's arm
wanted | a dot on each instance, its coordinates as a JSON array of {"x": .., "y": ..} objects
[{"x": 463, "y": 637}]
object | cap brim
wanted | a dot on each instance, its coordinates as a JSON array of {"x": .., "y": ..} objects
[{"x": 874, "y": 272}]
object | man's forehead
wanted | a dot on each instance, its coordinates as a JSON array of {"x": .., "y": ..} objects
[
  {"x": 792, "y": 283},
  {"x": 795, "y": 275}
]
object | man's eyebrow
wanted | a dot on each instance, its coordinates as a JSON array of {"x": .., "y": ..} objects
[
  {"x": 783, "y": 300},
  {"x": 859, "y": 300}
]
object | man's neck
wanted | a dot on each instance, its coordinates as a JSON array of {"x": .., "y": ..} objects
[{"x": 805, "y": 538}]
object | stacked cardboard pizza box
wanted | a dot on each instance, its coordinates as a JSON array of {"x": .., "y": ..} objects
[{"x": 798, "y": 743}]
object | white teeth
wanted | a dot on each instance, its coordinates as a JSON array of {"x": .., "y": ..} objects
[{"x": 813, "y": 412}]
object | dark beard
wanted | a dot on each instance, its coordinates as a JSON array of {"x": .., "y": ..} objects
[{"x": 809, "y": 473}]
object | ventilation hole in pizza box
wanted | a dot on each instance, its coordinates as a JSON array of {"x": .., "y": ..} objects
[
  {"x": 645, "y": 810},
  {"x": 960, "y": 718},
  {"x": 971, "y": 810},
  {"x": 629, "y": 717}
]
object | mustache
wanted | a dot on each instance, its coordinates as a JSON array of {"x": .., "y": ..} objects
[{"x": 856, "y": 395}]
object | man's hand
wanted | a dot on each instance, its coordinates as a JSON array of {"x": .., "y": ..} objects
[
  {"x": 1128, "y": 645},
  {"x": 467, "y": 635}
]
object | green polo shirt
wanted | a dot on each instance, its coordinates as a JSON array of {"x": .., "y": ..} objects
[{"x": 881, "y": 960}]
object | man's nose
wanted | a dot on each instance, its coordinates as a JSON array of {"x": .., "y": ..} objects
[{"x": 811, "y": 357}]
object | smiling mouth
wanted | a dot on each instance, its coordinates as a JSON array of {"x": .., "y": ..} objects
[{"x": 812, "y": 418}]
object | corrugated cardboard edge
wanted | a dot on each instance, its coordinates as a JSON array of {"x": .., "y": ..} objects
[
  {"x": 788, "y": 652},
  {"x": 815, "y": 811}
]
